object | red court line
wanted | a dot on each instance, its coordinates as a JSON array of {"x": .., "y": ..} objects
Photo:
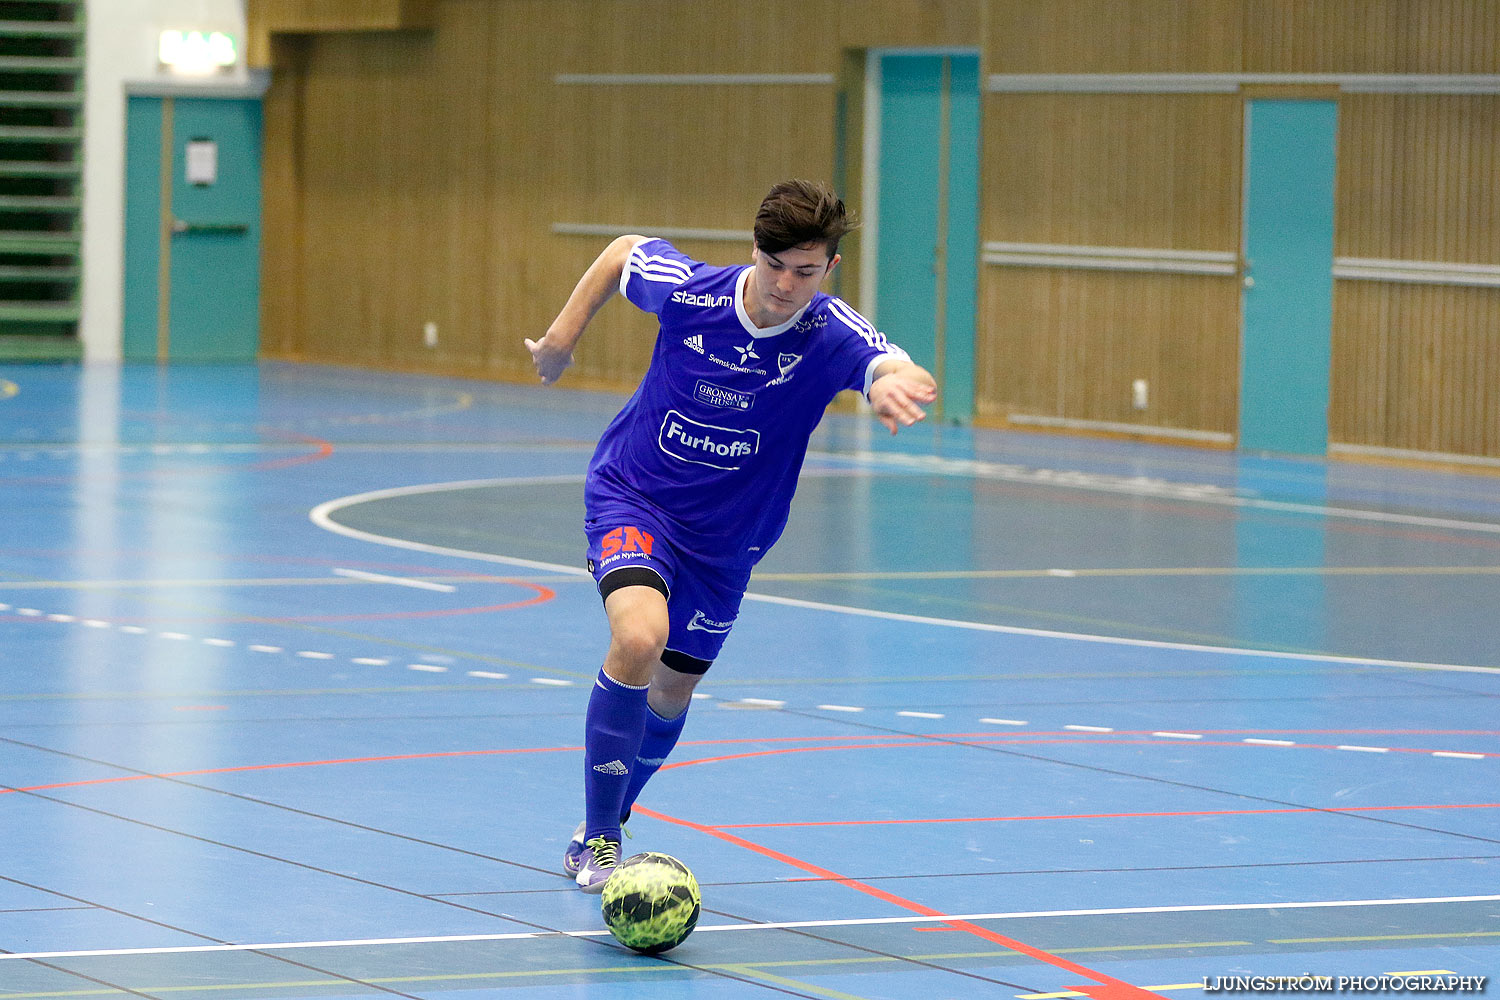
[
  {"x": 1115, "y": 988},
  {"x": 1107, "y": 988},
  {"x": 324, "y": 450},
  {"x": 1075, "y": 739},
  {"x": 288, "y": 765},
  {"x": 1118, "y": 815}
]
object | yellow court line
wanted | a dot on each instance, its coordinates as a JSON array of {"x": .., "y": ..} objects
[
  {"x": 1021, "y": 574},
  {"x": 1383, "y": 937},
  {"x": 346, "y": 982},
  {"x": 757, "y": 970},
  {"x": 795, "y": 984}
]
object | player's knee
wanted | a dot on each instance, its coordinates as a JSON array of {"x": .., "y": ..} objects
[{"x": 638, "y": 643}]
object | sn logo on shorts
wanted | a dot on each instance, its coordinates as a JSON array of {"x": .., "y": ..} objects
[{"x": 626, "y": 540}]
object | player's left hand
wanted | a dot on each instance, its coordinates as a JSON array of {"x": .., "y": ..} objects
[
  {"x": 899, "y": 396},
  {"x": 550, "y": 361}
]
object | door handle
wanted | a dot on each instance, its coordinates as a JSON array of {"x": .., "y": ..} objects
[{"x": 181, "y": 226}]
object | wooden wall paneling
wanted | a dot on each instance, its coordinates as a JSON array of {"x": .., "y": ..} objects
[
  {"x": 1142, "y": 170},
  {"x": 1152, "y": 171},
  {"x": 1113, "y": 36},
  {"x": 639, "y": 163},
  {"x": 1416, "y": 366},
  {"x": 1417, "y": 177},
  {"x": 1372, "y": 36},
  {"x": 283, "y": 229},
  {"x": 340, "y": 15},
  {"x": 731, "y": 36},
  {"x": 920, "y": 23}
]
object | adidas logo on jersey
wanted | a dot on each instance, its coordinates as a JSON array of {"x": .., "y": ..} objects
[
  {"x": 614, "y": 767},
  {"x": 695, "y": 342}
]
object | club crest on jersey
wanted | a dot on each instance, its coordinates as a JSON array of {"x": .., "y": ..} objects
[
  {"x": 718, "y": 395},
  {"x": 705, "y": 444},
  {"x": 703, "y": 623},
  {"x": 785, "y": 362}
]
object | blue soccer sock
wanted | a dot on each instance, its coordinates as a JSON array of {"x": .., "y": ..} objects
[
  {"x": 613, "y": 730},
  {"x": 661, "y": 737}
]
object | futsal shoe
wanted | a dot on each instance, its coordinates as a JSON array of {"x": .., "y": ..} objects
[
  {"x": 573, "y": 856},
  {"x": 599, "y": 859}
]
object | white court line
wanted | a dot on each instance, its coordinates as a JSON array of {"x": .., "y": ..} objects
[
  {"x": 321, "y": 515},
  {"x": 400, "y": 581},
  {"x": 769, "y": 926}
]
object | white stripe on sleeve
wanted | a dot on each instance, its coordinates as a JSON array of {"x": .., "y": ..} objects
[
  {"x": 896, "y": 354},
  {"x": 625, "y": 271},
  {"x": 859, "y": 324},
  {"x": 655, "y": 268}
]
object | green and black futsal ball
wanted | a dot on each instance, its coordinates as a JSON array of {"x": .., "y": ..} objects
[{"x": 651, "y": 902}]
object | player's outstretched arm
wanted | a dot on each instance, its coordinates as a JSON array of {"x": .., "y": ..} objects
[
  {"x": 554, "y": 352},
  {"x": 899, "y": 392}
]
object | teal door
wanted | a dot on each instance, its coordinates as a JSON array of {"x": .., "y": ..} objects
[
  {"x": 927, "y": 259},
  {"x": 192, "y": 229},
  {"x": 1287, "y": 304}
]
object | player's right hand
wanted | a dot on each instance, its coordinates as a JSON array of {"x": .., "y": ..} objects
[{"x": 549, "y": 361}]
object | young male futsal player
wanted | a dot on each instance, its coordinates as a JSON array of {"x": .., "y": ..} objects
[{"x": 692, "y": 481}]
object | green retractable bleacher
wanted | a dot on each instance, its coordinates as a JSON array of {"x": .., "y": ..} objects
[{"x": 41, "y": 176}]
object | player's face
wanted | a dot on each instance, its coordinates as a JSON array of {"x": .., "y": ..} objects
[{"x": 786, "y": 281}]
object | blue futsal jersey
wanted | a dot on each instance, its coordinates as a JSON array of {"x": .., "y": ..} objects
[{"x": 714, "y": 437}]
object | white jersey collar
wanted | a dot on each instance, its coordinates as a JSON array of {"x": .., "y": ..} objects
[{"x": 746, "y": 322}]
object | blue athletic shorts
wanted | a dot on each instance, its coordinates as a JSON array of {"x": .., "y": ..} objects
[{"x": 703, "y": 598}]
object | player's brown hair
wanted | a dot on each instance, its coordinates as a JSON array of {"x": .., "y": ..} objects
[{"x": 796, "y": 213}]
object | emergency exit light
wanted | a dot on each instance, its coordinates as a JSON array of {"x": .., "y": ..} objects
[{"x": 197, "y": 53}]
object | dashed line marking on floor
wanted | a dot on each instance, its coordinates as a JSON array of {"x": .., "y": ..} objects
[{"x": 770, "y": 703}]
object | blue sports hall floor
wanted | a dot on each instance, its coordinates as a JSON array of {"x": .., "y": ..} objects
[{"x": 294, "y": 661}]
